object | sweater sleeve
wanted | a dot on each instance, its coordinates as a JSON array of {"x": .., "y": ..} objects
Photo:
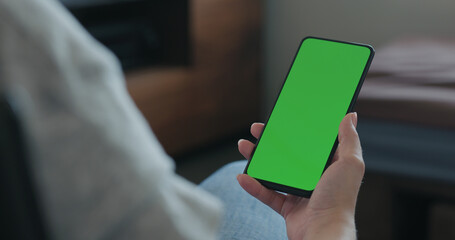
[{"x": 100, "y": 171}]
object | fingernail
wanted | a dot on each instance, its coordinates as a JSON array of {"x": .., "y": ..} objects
[
  {"x": 238, "y": 143},
  {"x": 354, "y": 118}
]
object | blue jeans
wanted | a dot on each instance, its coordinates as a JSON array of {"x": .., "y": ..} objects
[{"x": 245, "y": 217}]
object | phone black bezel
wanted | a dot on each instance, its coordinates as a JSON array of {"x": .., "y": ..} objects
[{"x": 297, "y": 191}]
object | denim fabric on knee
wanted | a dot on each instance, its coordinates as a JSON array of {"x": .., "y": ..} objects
[{"x": 245, "y": 217}]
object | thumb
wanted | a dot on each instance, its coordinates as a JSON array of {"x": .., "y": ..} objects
[{"x": 269, "y": 197}]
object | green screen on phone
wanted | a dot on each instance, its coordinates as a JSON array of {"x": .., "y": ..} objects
[{"x": 302, "y": 129}]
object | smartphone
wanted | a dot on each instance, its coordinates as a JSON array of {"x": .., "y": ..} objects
[{"x": 300, "y": 135}]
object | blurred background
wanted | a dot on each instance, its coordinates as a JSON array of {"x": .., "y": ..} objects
[{"x": 202, "y": 71}]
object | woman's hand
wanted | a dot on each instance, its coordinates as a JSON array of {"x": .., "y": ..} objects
[{"x": 329, "y": 213}]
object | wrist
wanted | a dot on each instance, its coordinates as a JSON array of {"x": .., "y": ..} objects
[{"x": 338, "y": 225}]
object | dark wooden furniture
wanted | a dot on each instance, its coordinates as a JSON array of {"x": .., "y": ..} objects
[
  {"x": 217, "y": 94},
  {"x": 407, "y": 127}
]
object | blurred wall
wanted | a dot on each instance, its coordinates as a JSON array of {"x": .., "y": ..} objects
[{"x": 367, "y": 21}]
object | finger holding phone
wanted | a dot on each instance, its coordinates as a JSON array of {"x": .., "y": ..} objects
[{"x": 330, "y": 210}]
